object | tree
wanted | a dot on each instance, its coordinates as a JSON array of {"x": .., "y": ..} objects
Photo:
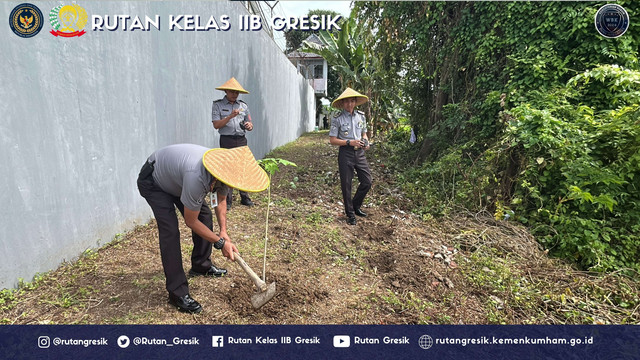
[
  {"x": 296, "y": 37},
  {"x": 524, "y": 110},
  {"x": 456, "y": 60}
]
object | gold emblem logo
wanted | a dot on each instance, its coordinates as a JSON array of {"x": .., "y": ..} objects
[
  {"x": 68, "y": 20},
  {"x": 26, "y": 20}
]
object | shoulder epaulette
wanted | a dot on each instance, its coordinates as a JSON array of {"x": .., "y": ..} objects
[
  {"x": 360, "y": 112},
  {"x": 241, "y": 101}
]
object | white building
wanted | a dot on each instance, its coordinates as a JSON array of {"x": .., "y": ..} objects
[{"x": 312, "y": 66}]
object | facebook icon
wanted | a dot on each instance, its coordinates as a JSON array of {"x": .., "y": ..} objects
[{"x": 217, "y": 341}]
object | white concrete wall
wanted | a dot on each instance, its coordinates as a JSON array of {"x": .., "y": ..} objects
[{"x": 79, "y": 116}]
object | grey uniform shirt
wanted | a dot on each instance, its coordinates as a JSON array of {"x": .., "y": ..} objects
[
  {"x": 179, "y": 171},
  {"x": 222, "y": 108},
  {"x": 346, "y": 126}
]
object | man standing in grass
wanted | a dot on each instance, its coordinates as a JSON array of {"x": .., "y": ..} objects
[
  {"x": 349, "y": 132},
  {"x": 231, "y": 117}
]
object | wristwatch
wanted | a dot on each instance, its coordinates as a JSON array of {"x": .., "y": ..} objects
[
  {"x": 348, "y": 142},
  {"x": 219, "y": 244}
]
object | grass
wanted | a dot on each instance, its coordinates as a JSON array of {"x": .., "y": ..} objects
[
  {"x": 317, "y": 219},
  {"x": 407, "y": 301}
]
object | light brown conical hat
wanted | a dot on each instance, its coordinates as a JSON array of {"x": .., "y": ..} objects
[
  {"x": 237, "y": 168},
  {"x": 232, "y": 84},
  {"x": 349, "y": 92}
]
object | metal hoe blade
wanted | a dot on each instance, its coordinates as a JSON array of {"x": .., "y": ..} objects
[
  {"x": 260, "y": 298},
  {"x": 265, "y": 293}
]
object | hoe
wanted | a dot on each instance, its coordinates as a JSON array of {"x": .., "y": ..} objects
[{"x": 265, "y": 293}]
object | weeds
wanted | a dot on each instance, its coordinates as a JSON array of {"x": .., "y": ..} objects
[{"x": 407, "y": 301}]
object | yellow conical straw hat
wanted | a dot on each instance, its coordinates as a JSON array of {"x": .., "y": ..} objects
[
  {"x": 232, "y": 84},
  {"x": 237, "y": 168},
  {"x": 349, "y": 92}
]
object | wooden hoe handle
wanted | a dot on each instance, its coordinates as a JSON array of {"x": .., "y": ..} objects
[{"x": 256, "y": 280}]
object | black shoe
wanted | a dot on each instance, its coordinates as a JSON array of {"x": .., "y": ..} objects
[
  {"x": 351, "y": 220},
  {"x": 246, "y": 202},
  {"x": 360, "y": 213},
  {"x": 213, "y": 271},
  {"x": 185, "y": 304}
]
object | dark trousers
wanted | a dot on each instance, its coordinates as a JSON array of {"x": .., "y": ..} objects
[
  {"x": 348, "y": 161},
  {"x": 230, "y": 142},
  {"x": 164, "y": 209}
]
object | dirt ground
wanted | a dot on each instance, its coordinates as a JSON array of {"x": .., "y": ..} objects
[{"x": 391, "y": 268}]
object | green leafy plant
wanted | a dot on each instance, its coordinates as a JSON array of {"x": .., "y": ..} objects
[{"x": 271, "y": 166}]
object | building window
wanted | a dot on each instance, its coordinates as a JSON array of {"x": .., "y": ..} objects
[{"x": 317, "y": 72}]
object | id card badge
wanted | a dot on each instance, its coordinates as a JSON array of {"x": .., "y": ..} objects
[{"x": 213, "y": 198}]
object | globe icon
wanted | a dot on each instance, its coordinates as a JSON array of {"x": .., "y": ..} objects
[{"x": 425, "y": 341}]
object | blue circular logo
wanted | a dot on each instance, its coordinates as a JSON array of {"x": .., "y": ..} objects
[
  {"x": 26, "y": 20},
  {"x": 612, "y": 20}
]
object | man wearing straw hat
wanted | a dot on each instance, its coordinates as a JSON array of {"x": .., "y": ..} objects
[
  {"x": 231, "y": 117},
  {"x": 180, "y": 176},
  {"x": 349, "y": 131}
]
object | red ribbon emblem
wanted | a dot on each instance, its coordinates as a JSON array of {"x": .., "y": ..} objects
[{"x": 66, "y": 34}]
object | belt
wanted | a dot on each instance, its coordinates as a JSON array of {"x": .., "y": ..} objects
[
  {"x": 233, "y": 136},
  {"x": 147, "y": 169}
]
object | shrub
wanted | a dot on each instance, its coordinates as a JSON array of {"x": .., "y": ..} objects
[{"x": 578, "y": 186}]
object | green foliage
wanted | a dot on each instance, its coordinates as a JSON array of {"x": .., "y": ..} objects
[
  {"x": 578, "y": 185},
  {"x": 317, "y": 219},
  {"x": 460, "y": 66},
  {"x": 345, "y": 52},
  {"x": 455, "y": 180},
  {"x": 272, "y": 165},
  {"x": 533, "y": 117},
  {"x": 501, "y": 280},
  {"x": 566, "y": 169},
  {"x": 351, "y": 56},
  {"x": 295, "y": 38},
  {"x": 606, "y": 87}
]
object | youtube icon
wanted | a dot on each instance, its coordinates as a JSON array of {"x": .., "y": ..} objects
[{"x": 342, "y": 341}]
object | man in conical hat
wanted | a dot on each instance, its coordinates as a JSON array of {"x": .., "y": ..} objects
[
  {"x": 349, "y": 132},
  {"x": 231, "y": 117},
  {"x": 180, "y": 176}
]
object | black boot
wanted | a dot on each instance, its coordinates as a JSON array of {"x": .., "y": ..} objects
[
  {"x": 360, "y": 213},
  {"x": 212, "y": 271},
  {"x": 246, "y": 201},
  {"x": 185, "y": 304}
]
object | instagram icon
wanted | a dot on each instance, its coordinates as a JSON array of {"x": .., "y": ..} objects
[{"x": 44, "y": 342}]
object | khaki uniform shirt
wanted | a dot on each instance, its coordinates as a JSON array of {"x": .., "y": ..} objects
[
  {"x": 222, "y": 108},
  {"x": 346, "y": 126}
]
